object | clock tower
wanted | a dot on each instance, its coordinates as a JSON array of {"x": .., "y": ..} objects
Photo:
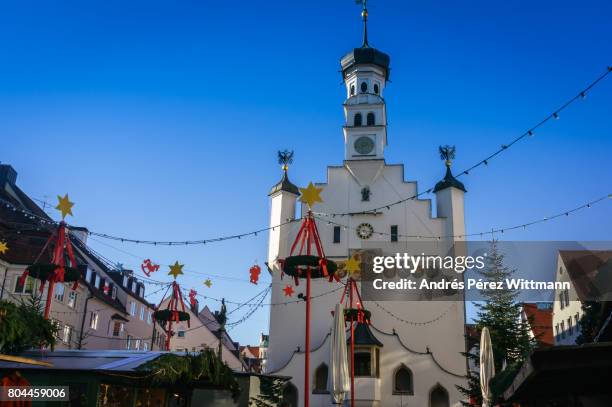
[{"x": 365, "y": 71}]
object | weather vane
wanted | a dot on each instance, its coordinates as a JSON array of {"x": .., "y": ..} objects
[
  {"x": 364, "y": 16},
  {"x": 447, "y": 153},
  {"x": 285, "y": 158}
]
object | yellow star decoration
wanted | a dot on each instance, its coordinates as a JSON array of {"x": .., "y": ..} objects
[
  {"x": 64, "y": 205},
  {"x": 176, "y": 269},
  {"x": 3, "y": 247},
  {"x": 208, "y": 283},
  {"x": 352, "y": 266},
  {"x": 311, "y": 195}
]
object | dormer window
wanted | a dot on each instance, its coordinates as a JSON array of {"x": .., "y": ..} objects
[
  {"x": 358, "y": 120},
  {"x": 371, "y": 119},
  {"x": 364, "y": 87}
]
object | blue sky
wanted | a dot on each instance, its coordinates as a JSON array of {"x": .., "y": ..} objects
[{"x": 162, "y": 119}]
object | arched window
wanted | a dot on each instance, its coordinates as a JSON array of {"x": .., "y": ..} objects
[
  {"x": 371, "y": 119},
  {"x": 358, "y": 120},
  {"x": 402, "y": 382},
  {"x": 376, "y": 89},
  {"x": 438, "y": 397},
  {"x": 352, "y": 90},
  {"x": 320, "y": 379},
  {"x": 364, "y": 87},
  {"x": 290, "y": 396}
]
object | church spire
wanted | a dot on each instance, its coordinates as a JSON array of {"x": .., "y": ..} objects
[{"x": 364, "y": 17}]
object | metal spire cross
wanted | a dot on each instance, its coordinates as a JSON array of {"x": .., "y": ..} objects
[{"x": 364, "y": 16}]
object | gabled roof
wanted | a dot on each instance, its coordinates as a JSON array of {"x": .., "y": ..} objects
[
  {"x": 540, "y": 321},
  {"x": 589, "y": 271}
]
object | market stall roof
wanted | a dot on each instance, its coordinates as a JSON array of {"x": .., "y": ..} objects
[
  {"x": 91, "y": 360},
  {"x": 550, "y": 372}
]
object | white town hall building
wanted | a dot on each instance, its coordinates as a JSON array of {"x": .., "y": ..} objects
[{"x": 411, "y": 354}]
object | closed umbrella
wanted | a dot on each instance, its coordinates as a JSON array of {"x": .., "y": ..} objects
[
  {"x": 339, "y": 361},
  {"x": 487, "y": 367}
]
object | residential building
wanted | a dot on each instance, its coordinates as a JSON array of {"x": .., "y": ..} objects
[
  {"x": 539, "y": 317},
  {"x": 581, "y": 268}
]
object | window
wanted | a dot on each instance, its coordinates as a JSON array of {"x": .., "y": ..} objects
[
  {"x": 352, "y": 90},
  {"x": 88, "y": 274},
  {"x": 336, "y": 234},
  {"x": 402, "y": 382},
  {"x": 181, "y": 334},
  {"x": 320, "y": 379},
  {"x": 129, "y": 342},
  {"x": 562, "y": 330},
  {"x": 117, "y": 328},
  {"x": 376, "y": 88},
  {"x": 364, "y": 87},
  {"x": 27, "y": 288},
  {"x": 357, "y": 122},
  {"x": 142, "y": 312},
  {"x": 72, "y": 299},
  {"x": 394, "y": 233},
  {"x": 570, "y": 326},
  {"x": 371, "y": 119},
  {"x": 561, "y": 301},
  {"x": 145, "y": 346},
  {"x": 577, "y": 320},
  {"x": 560, "y": 270},
  {"x": 137, "y": 344},
  {"x": 438, "y": 397},
  {"x": 97, "y": 283},
  {"x": 363, "y": 363},
  {"x": 566, "y": 297},
  {"x": 557, "y": 334},
  {"x": 59, "y": 292},
  {"x": 93, "y": 320},
  {"x": 67, "y": 334},
  {"x": 149, "y": 317},
  {"x": 133, "y": 308},
  {"x": 114, "y": 292}
]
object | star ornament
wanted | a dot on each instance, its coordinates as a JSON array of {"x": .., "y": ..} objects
[
  {"x": 208, "y": 283},
  {"x": 64, "y": 206},
  {"x": 352, "y": 265},
  {"x": 176, "y": 269},
  {"x": 311, "y": 195},
  {"x": 288, "y": 291},
  {"x": 3, "y": 247}
]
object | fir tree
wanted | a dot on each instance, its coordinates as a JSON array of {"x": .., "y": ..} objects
[
  {"x": 501, "y": 313},
  {"x": 590, "y": 322}
]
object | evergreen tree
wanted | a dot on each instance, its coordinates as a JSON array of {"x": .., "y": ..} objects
[
  {"x": 23, "y": 327},
  {"x": 501, "y": 313},
  {"x": 590, "y": 322}
]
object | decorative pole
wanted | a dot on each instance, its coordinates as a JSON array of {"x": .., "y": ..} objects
[
  {"x": 309, "y": 266},
  {"x": 172, "y": 313},
  {"x": 353, "y": 312}
]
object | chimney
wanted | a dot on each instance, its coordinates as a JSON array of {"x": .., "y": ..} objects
[
  {"x": 80, "y": 233},
  {"x": 7, "y": 175}
]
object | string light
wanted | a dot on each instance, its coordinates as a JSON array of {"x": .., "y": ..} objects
[
  {"x": 493, "y": 230},
  {"x": 486, "y": 160}
]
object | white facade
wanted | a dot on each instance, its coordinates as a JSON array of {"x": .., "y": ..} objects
[
  {"x": 567, "y": 308},
  {"x": 431, "y": 351}
]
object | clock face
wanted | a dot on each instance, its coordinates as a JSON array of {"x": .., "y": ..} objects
[
  {"x": 365, "y": 231},
  {"x": 364, "y": 145}
]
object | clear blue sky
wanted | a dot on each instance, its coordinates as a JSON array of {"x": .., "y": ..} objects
[{"x": 162, "y": 119}]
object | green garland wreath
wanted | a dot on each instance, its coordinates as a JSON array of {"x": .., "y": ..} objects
[
  {"x": 45, "y": 271},
  {"x": 166, "y": 315},
  {"x": 295, "y": 266},
  {"x": 354, "y": 314}
]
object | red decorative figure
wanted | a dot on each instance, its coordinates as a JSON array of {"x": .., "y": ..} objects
[
  {"x": 288, "y": 291},
  {"x": 192, "y": 297},
  {"x": 149, "y": 267},
  {"x": 106, "y": 288},
  {"x": 255, "y": 271}
]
